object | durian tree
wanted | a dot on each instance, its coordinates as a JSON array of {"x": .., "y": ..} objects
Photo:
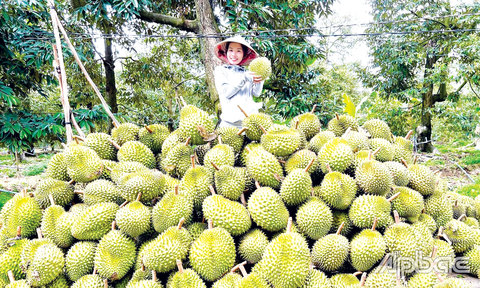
[{"x": 417, "y": 63}]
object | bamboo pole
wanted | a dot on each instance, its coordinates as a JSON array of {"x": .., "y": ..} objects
[
  {"x": 66, "y": 104},
  {"x": 90, "y": 81}
]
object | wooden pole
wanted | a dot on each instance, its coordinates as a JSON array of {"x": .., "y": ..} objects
[
  {"x": 66, "y": 104},
  {"x": 90, "y": 81}
]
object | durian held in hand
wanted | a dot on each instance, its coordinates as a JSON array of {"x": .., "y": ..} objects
[{"x": 261, "y": 66}]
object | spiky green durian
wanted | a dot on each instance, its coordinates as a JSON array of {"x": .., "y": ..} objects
[
  {"x": 90, "y": 281},
  {"x": 361, "y": 156},
  {"x": 339, "y": 218},
  {"x": 366, "y": 249},
  {"x": 18, "y": 284},
  {"x": 49, "y": 219},
  {"x": 80, "y": 259},
  {"x": 227, "y": 281},
  {"x": 261, "y": 66},
  {"x": 177, "y": 159},
  {"x": 134, "y": 219},
  {"x": 337, "y": 190},
  {"x": 340, "y": 123},
  {"x": 21, "y": 210},
  {"x": 173, "y": 207},
  {"x": 337, "y": 154},
  {"x": 344, "y": 281},
  {"x": 473, "y": 259},
  {"x": 428, "y": 221},
  {"x": 83, "y": 164},
  {"x": 399, "y": 173},
  {"x": 46, "y": 265},
  {"x": 10, "y": 260},
  {"x": 253, "y": 123},
  {"x": 230, "y": 181},
  {"x": 403, "y": 149},
  {"x": 453, "y": 283},
  {"x": 101, "y": 143},
  {"x": 421, "y": 179},
  {"x": 220, "y": 154},
  {"x": 286, "y": 260},
  {"x": 331, "y": 251},
  {"x": 317, "y": 141},
  {"x": 439, "y": 207},
  {"x": 57, "y": 168},
  {"x": 191, "y": 118},
  {"x": 187, "y": 278},
  {"x": 95, "y": 221},
  {"x": 125, "y": 132},
  {"x": 153, "y": 136},
  {"x": 213, "y": 253},
  {"x": 300, "y": 160},
  {"x": 382, "y": 278},
  {"x": 402, "y": 240},
  {"x": 253, "y": 280},
  {"x": 296, "y": 188},
  {"x": 252, "y": 245},
  {"x": 314, "y": 218},
  {"x": 61, "y": 191},
  {"x": 227, "y": 214},
  {"x": 114, "y": 255},
  {"x": 409, "y": 203},
  {"x": 386, "y": 151},
  {"x": 231, "y": 137},
  {"x": 316, "y": 279},
  {"x": 124, "y": 168},
  {"x": 144, "y": 284},
  {"x": 59, "y": 282},
  {"x": 264, "y": 167},
  {"x": 267, "y": 209},
  {"x": 280, "y": 140},
  {"x": 172, "y": 139},
  {"x": 366, "y": 208},
  {"x": 423, "y": 280},
  {"x": 29, "y": 250},
  {"x": 138, "y": 152},
  {"x": 378, "y": 129},
  {"x": 196, "y": 228},
  {"x": 148, "y": 183},
  {"x": 63, "y": 237},
  {"x": 101, "y": 190},
  {"x": 357, "y": 140},
  {"x": 196, "y": 184},
  {"x": 308, "y": 123},
  {"x": 460, "y": 234},
  {"x": 373, "y": 177}
]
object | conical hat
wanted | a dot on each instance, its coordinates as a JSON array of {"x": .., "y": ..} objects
[{"x": 220, "y": 50}]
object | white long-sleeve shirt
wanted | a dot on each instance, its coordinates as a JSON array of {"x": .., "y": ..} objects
[{"x": 235, "y": 87}]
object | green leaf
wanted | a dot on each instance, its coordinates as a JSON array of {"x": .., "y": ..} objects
[{"x": 349, "y": 105}]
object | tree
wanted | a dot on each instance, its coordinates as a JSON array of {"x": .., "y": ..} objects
[{"x": 421, "y": 43}]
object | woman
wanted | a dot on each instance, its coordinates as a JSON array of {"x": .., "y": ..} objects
[{"x": 236, "y": 85}]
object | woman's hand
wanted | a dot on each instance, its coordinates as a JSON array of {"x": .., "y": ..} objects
[{"x": 255, "y": 78}]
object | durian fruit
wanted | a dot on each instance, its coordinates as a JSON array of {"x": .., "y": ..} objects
[
  {"x": 421, "y": 179},
  {"x": 425, "y": 239},
  {"x": 286, "y": 260},
  {"x": 90, "y": 281},
  {"x": 46, "y": 265},
  {"x": 57, "y": 168},
  {"x": 403, "y": 148},
  {"x": 171, "y": 141},
  {"x": 227, "y": 214},
  {"x": 300, "y": 160},
  {"x": 452, "y": 283},
  {"x": 383, "y": 277},
  {"x": 213, "y": 253},
  {"x": 173, "y": 207},
  {"x": 361, "y": 156},
  {"x": 296, "y": 188},
  {"x": 124, "y": 168},
  {"x": 249, "y": 147},
  {"x": 252, "y": 245},
  {"x": 446, "y": 255},
  {"x": 138, "y": 152},
  {"x": 344, "y": 280},
  {"x": 280, "y": 140},
  {"x": 337, "y": 154},
  {"x": 10, "y": 260},
  {"x": 196, "y": 228},
  {"x": 153, "y": 136},
  {"x": 439, "y": 207},
  {"x": 267, "y": 209},
  {"x": 340, "y": 123},
  {"x": 229, "y": 280},
  {"x": 253, "y": 280},
  {"x": 95, "y": 221},
  {"x": 262, "y": 67},
  {"x": 399, "y": 173},
  {"x": 114, "y": 255},
  {"x": 30, "y": 248},
  {"x": 99, "y": 191},
  {"x": 357, "y": 140},
  {"x": 367, "y": 248},
  {"x": 101, "y": 143},
  {"x": 429, "y": 279},
  {"x": 161, "y": 253},
  {"x": 366, "y": 208},
  {"x": 195, "y": 123},
  {"x": 125, "y": 132},
  {"x": 63, "y": 230},
  {"x": 230, "y": 181},
  {"x": 460, "y": 234},
  {"x": 386, "y": 151},
  {"x": 337, "y": 190},
  {"x": 220, "y": 154},
  {"x": 148, "y": 183},
  {"x": 340, "y": 217},
  {"x": 232, "y": 137},
  {"x": 21, "y": 210},
  {"x": 473, "y": 260},
  {"x": 196, "y": 183},
  {"x": 80, "y": 259},
  {"x": 61, "y": 191},
  {"x": 317, "y": 141},
  {"x": 187, "y": 278},
  {"x": 134, "y": 219},
  {"x": 177, "y": 159},
  {"x": 331, "y": 251},
  {"x": 314, "y": 218},
  {"x": 253, "y": 123},
  {"x": 264, "y": 167},
  {"x": 13, "y": 283},
  {"x": 428, "y": 221},
  {"x": 308, "y": 123},
  {"x": 316, "y": 279},
  {"x": 409, "y": 204},
  {"x": 373, "y": 177},
  {"x": 83, "y": 164},
  {"x": 49, "y": 219},
  {"x": 378, "y": 129}
]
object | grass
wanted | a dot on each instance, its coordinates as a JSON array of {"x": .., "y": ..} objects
[
  {"x": 4, "y": 197},
  {"x": 471, "y": 190},
  {"x": 472, "y": 159}
]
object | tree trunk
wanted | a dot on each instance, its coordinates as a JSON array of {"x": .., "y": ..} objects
[
  {"x": 208, "y": 26},
  {"x": 424, "y": 131},
  {"x": 110, "y": 87}
]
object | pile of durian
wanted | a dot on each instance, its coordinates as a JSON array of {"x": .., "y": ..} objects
[{"x": 263, "y": 206}]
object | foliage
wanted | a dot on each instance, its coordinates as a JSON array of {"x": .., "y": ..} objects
[
  {"x": 4, "y": 197},
  {"x": 472, "y": 190}
]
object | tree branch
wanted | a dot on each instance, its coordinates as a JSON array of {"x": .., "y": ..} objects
[
  {"x": 429, "y": 19},
  {"x": 184, "y": 24},
  {"x": 474, "y": 92}
]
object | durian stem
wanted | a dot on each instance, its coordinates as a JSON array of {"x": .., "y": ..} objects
[
  {"x": 123, "y": 204},
  {"x": 76, "y": 140},
  {"x": 78, "y": 192},
  {"x": 376, "y": 151},
  {"x": 148, "y": 129},
  {"x": 24, "y": 192},
  {"x": 263, "y": 129},
  {"x": 329, "y": 169},
  {"x": 296, "y": 124},
  {"x": 108, "y": 168},
  {"x": 337, "y": 116},
  {"x": 176, "y": 190},
  {"x": 439, "y": 277},
  {"x": 409, "y": 134},
  {"x": 434, "y": 252},
  {"x": 94, "y": 270},
  {"x": 219, "y": 139},
  {"x": 289, "y": 225},
  {"x": 340, "y": 228},
  {"x": 243, "y": 111},
  {"x": 143, "y": 267},
  {"x": 395, "y": 196},
  {"x": 19, "y": 232},
  {"x": 415, "y": 160},
  {"x": 105, "y": 283},
  {"x": 243, "y": 200},
  {"x": 370, "y": 155},
  {"x": 462, "y": 217},
  {"x": 313, "y": 108},
  {"x": 310, "y": 165},
  {"x": 375, "y": 222},
  {"x": 188, "y": 141},
  {"x": 277, "y": 177},
  {"x": 396, "y": 216},
  {"x": 50, "y": 197},
  {"x": 154, "y": 276},
  {"x": 115, "y": 144},
  {"x": 114, "y": 277},
  {"x": 404, "y": 162},
  {"x": 241, "y": 131},
  {"x": 179, "y": 266},
  {"x": 257, "y": 184},
  {"x": 11, "y": 277},
  {"x": 139, "y": 196},
  {"x": 210, "y": 224},
  {"x": 180, "y": 223},
  {"x": 76, "y": 137},
  {"x": 436, "y": 171},
  {"x": 192, "y": 160},
  {"x": 446, "y": 238},
  {"x": 71, "y": 182},
  {"x": 282, "y": 161},
  {"x": 212, "y": 190},
  {"x": 363, "y": 279},
  {"x": 357, "y": 273},
  {"x": 214, "y": 165},
  {"x": 114, "y": 224},
  {"x": 39, "y": 233}
]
